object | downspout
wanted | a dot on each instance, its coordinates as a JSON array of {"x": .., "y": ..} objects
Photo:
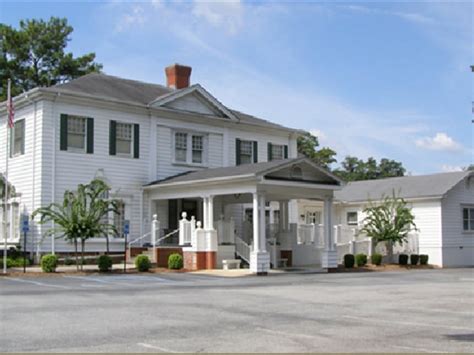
[{"x": 53, "y": 166}]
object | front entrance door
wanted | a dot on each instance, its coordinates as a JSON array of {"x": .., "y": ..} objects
[{"x": 176, "y": 207}]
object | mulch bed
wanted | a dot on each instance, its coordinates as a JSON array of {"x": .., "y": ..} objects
[
  {"x": 130, "y": 271},
  {"x": 384, "y": 267}
]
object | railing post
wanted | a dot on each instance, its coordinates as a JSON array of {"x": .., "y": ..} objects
[{"x": 182, "y": 229}]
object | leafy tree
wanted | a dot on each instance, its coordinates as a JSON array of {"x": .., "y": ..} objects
[
  {"x": 354, "y": 169},
  {"x": 81, "y": 215},
  {"x": 389, "y": 221},
  {"x": 34, "y": 55},
  {"x": 308, "y": 144},
  {"x": 470, "y": 167}
]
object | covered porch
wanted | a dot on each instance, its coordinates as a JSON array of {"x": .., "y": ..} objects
[{"x": 245, "y": 212}]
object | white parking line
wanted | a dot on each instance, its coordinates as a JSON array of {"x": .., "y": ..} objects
[
  {"x": 286, "y": 334},
  {"x": 165, "y": 350},
  {"x": 421, "y": 350},
  {"x": 37, "y": 283}
]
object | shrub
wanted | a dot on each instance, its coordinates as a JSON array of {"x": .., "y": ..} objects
[
  {"x": 142, "y": 263},
  {"x": 15, "y": 262},
  {"x": 424, "y": 259},
  {"x": 49, "y": 263},
  {"x": 69, "y": 261},
  {"x": 175, "y": 261},
  {"x": 376, "y": 259},
  {"x": 349, "y": 261},
  {"x": 361, "y": 259},
  {"x": 105, "y": 263},
  {"x": 403, "y": 259},
  {"x": 414, "y": 259}
]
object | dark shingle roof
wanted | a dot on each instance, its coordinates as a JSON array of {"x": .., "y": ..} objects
[
  {"x": 111, "y": 87},
  {"x": 422, "y": 186},
  {"x": 230, "y": 171}
]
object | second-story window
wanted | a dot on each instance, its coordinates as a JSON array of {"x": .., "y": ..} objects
[
  {"x": 189, "y": 148},
  {"x": 246, "y": 151},
  {"x": 17, "y": 144},
  {"x": 277, "y": 151},
  {"x": 124, "y": 138},
  {"x": 76, "y": 133}
]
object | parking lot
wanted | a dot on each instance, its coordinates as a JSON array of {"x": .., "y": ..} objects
[{"x": 416, "y": 311}]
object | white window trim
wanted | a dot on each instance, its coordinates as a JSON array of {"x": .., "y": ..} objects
[
  {"x": 189, "y": 148},
  {"x": 464, "y": 231},
  {"x": 17, "y": 154},
  {"x": 132, "y": 143},
  {"x": 282, "y": 147},
  {"x": 352, "y": 223},
  {"x": 251, "y": 150}
]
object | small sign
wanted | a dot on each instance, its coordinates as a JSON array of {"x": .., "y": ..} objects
[
  {"x": 25, "y": 223},
  {"x": 126, "y": 226}
]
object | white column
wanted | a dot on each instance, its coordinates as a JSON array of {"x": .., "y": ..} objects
[
  {"x": 210, "y": 213},
  {"x": 262, "y": 225},
  {"x": 205, "y": 212},
  {"x": 256, "y": 229},
  {"x": 329, "y": 254}
]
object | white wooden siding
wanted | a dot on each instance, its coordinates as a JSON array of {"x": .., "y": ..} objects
[{"x": 458, "y": 246}]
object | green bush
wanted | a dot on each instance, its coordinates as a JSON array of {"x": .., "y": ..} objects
[
  {"x": 175, "y": 261},
  {"x": 142, "y": 263},
  {"x": 361, "y": 259},
  {"x": 15, "y": 262},
  {"x": 349, "y": 261},
  {"x": 376, "y": 259},
  {"x": 105, "y": 263},
  {"x": 424, "y": 259},
  {"x": 403, "y": 259},
  {"x": 69, "y": 261},
  {"x": 414, "y": 259},
  {"x": 49, "y": 263}
]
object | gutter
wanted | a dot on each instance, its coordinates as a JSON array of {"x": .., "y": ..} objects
[{"x": 212, "y": 180}]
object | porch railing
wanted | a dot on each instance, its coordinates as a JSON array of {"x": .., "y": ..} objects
[{"x": 242, "y": 249}]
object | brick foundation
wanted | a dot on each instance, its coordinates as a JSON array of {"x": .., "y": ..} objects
[
  {"x": 163, "y": 253},
  {"x": 287, "y": 254},
  {"x": 199, "y": 260}
]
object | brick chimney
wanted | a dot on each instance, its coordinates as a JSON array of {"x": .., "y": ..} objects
[{"x": 177, "y": 76}]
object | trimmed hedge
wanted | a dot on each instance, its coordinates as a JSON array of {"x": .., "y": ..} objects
[
  {"x": 175, "y": 261},
  {"x": 349, "y": 261},
  {"x": 403, "y": 259},
  {"x": 414, "y": 258},
  {"x": 49, "y": 263},
  {"x": 142, "y": 263},
  {"x": 361, "y": 259},
  {"x": 376, "y": 259},
  {"x": 104, "y": 263},
  {"x": 15, "y": 262},
  {"x": 424, "y": 259}
]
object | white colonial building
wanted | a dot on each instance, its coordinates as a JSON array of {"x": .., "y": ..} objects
[{"x": 164, "y": 150}]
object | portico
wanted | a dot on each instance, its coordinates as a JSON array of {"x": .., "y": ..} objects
[{"x": 254, "y": 186}]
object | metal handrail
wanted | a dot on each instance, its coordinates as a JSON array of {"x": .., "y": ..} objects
[
  {"x": 242, "y": 249},
  {"x": 139, "y": 238},
  {"x": 167, "y": 236}
]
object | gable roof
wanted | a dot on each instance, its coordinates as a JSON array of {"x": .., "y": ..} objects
[
  {"x": 102, "y": 86},
  {"x": 423, "y": 186},
  {"x": 245, "y": 170}
]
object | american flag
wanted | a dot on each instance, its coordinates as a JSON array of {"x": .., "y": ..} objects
[{"x": 10, "y": 108}]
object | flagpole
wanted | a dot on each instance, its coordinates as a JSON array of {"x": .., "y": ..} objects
[{"x": 5, "y": 189}]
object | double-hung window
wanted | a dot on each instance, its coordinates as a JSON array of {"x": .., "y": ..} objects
[
  {"x": 277, "y": 151},
  {"x": 246, "y": 152},
  {"x": 468, "y": 219},
  {"x": 352, "y": 218},
  {"x": 18, "y": 139},
  {"x": 119, "y": 218},
  {"x": 189, "y": 148},
  {"x": 124, "y": 139}
]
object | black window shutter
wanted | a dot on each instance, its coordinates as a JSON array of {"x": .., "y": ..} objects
[
  {"x": 90, "y": 135},
  {"x": 237, "y": 152},
  {"x": 269, "y": 149},
  {"x": 136, "y": 141},
  {"x": 63, "y": 132},
  {"x": 286, "y": 152},
  {"x": 112, "y": 137},
  {"x": 23, "y": 128},
  {"x": 255, "y": 152}
]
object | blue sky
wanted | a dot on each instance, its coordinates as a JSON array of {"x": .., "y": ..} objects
[{"x": 380, "y": 79}]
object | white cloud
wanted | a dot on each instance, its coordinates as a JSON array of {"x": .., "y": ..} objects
[
  {"x": 450, "y": 168},
  {"x": 136, "y": 17},
  {"x": 225, "y": 15},
  {"x": 440, "y": 141}
]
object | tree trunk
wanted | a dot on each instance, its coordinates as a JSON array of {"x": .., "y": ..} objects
[
  {"x": 389, "y": 246},
  {"x": 75, "y": 249},
  {"x": 83, "y": 242}
]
